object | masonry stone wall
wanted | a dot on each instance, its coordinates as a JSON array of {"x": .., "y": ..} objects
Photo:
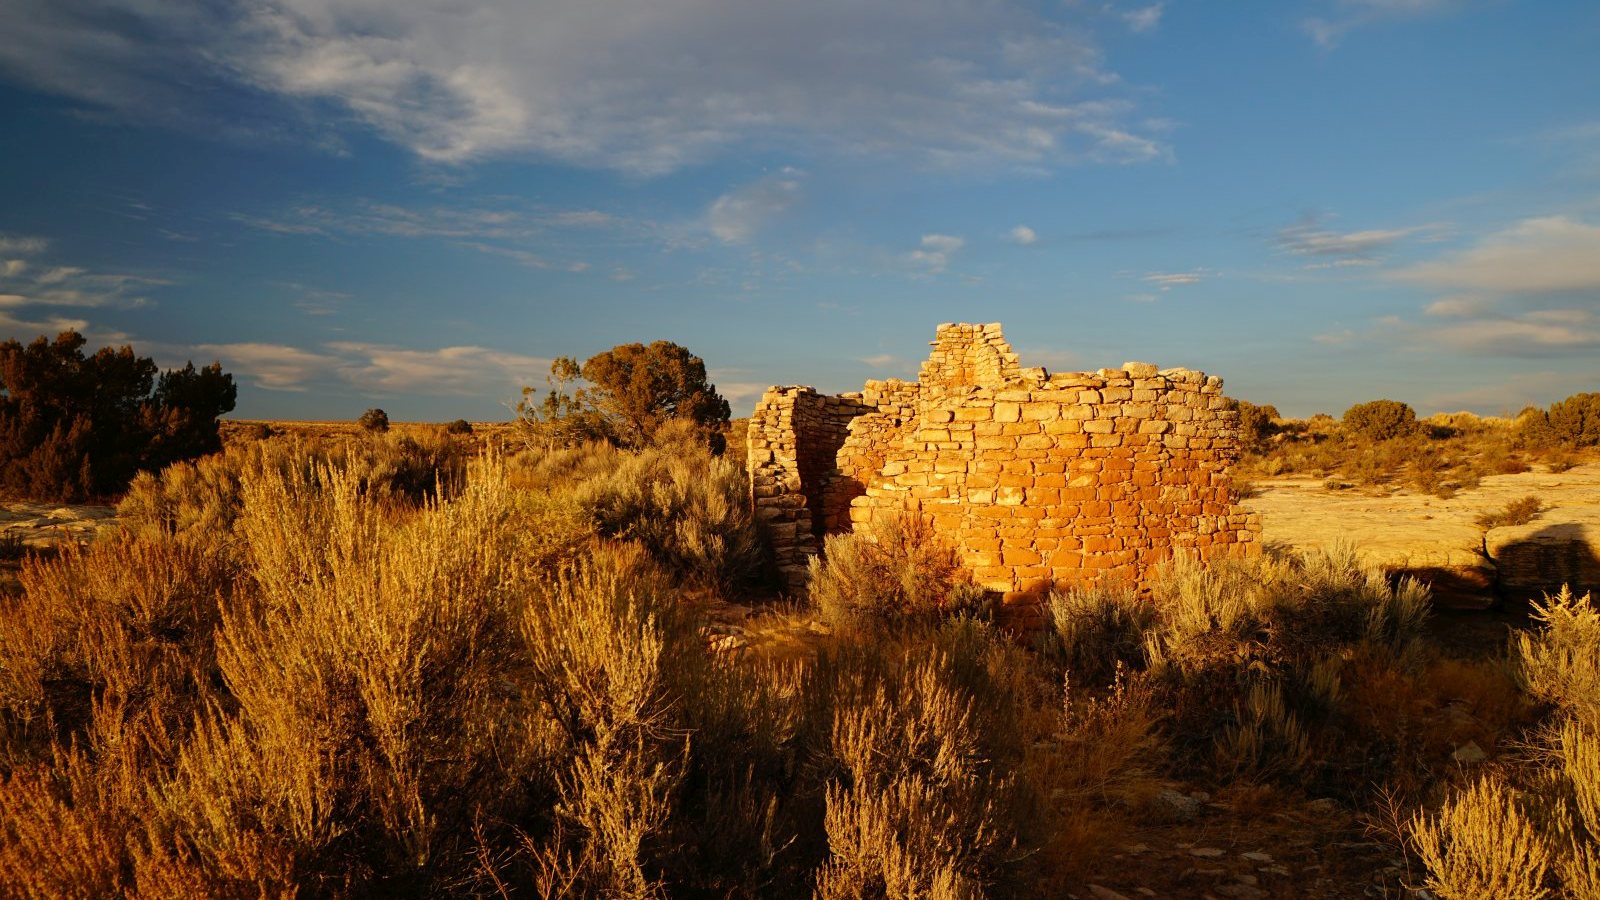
[{"x": 1041, "y": 481}]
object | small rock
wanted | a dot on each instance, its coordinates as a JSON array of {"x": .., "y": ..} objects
[
  {"x": 1102, "y": 893},
  {"x": 1145, "y": 892},
  {"x": 1469, "y": 753},
  {"x": 1176, "y": 806},
  {"x": 1206, "y": 852},
  {"x": 1275, "y": 870},
  {"x": 1257, "y": 856},
  {"x": 1323, "y": 806},
  {"x": 1202, "y": 796},
  {"x": 1241, "y": 892},
  {"x": 1247, "y": 879},
  {"x": 1137, "y": 848}
]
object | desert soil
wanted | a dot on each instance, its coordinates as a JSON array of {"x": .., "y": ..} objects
[{"x": 1439, "y": 539}]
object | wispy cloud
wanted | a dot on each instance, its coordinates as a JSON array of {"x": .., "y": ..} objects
[
  {"x": 1510, "y": 394},
  {"x": 643, "y": 86},
  {"x": 1143, "y": 19},
  {"x": 1310, "y": 237},
  {"x": 379, "y": 369},
  {"x": 1168, "y": 280},
  {"x": 1023, "y": 236},
  {"x": 20, "y": 245},
  {"x": 1529, "y": 290},
  {"x": 1055, "y": 359},
  {"x": 509, "y": 222},
  {"x": 935, "y": 253},
  {"x": 1531, "y": 333},
  {"x": 274, "y": 367},
  {"x": 736, "y": 216},
  {"x": 533, "y": 236},
  {"x": 27, "y": 281},
  {"x": 1348, "y": 15},
  {"x": 315, "y": 301},
  {"x": 447, "y": 371},
  {"x": 1534, "y": 256}
]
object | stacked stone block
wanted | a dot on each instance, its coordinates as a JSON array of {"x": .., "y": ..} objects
[{"x": 1040, "y": 481}]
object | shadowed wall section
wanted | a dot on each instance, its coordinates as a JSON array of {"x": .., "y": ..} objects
[{"x": 1039, "y": 480}]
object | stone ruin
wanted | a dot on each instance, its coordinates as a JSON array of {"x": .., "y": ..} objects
[{"x": 1040, "y": 481}]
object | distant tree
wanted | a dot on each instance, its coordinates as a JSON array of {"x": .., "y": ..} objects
[
  {"x": 632, "y": 390},
  {"x": 1573, "y": 422},
  {"x": 565, "y": 415},
  {"x": 74, "y": 427},
  {"x": 374, "y": 420},
  {"x": 1380, "y": 420},
  {"x": 459, "y": 426},
  {"x": 188, "y": 402},
  {"x": 1257, "y": 424}
]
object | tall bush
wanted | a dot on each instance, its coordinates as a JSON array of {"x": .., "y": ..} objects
[
  {"x": 1380, "y": 420},
  {"x": 74, "y": 427}
]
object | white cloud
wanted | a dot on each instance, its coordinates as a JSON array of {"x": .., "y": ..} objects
[
  {"x": 1024, "y": 236},
  {"x": 1544, "y": 332},
  {"x": 1335, "y": 338},
  {"x": 1143, "y": 19},
  {"x": 737, "y": 215},
  {"x": 1310, "y": 237},
  {"x": 26, "y": 284},
  {"x": 644, "y": 86},
  {"x": 1529, "y": 290},
  {"x": 507, "y": 231},
  {"x": 274, "y": 367},
  {"x": 936, "y": 252},
  {"x": 1168, "y": 280},
  {"x": 1459, "y": 307},
  {"x": 1348, "y": 15},
  {"x": 380, "y": 368},
  {"x": 20, "y": 245},
  {"x": 1052, "y": 358},
  {"x": 1542, "y": 255},
  {"x": 468, "y": 370},
  {"x": 25, "y": 329},
  {"x": 1508, "y": 395},
  {"x": 741, "y": 395}
]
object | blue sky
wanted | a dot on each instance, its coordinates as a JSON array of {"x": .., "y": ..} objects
[{"x": 416, "y": 204}]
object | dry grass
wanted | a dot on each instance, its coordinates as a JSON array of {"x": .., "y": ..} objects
[
  {"x": 1493, "y": 840},
  {"x": 893, "y": 571},
  {"x": 358, "y": 666},
  {"x": 1442, "y": 456},
  {"x": 1482, "y": 845},
  {"x": 1516, "y": 512}
]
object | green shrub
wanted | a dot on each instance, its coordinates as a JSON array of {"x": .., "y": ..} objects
[
  {"x": 1576, "y": 420},
  {"x": 690, "y": 510},
  {"x": 1559, "y": 661},
  {"x": 895, "y": 570},
  {"x": 1516, "y": 512},
  {"x": 1257, "y": 424},
  {"x": 1481, "y": 844},
  {"x": 75, "y": 427},
  {"x": 1099, "y": 630},
  {"x": 11, "y": 546},
  {"x": 1380, "y": 420},
  {"x": 374, "y": 420}
]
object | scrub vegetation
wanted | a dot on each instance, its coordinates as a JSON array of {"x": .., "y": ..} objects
[
  {"x": 481, "y": 662},
  {"x": 1382, "y": 445}
]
